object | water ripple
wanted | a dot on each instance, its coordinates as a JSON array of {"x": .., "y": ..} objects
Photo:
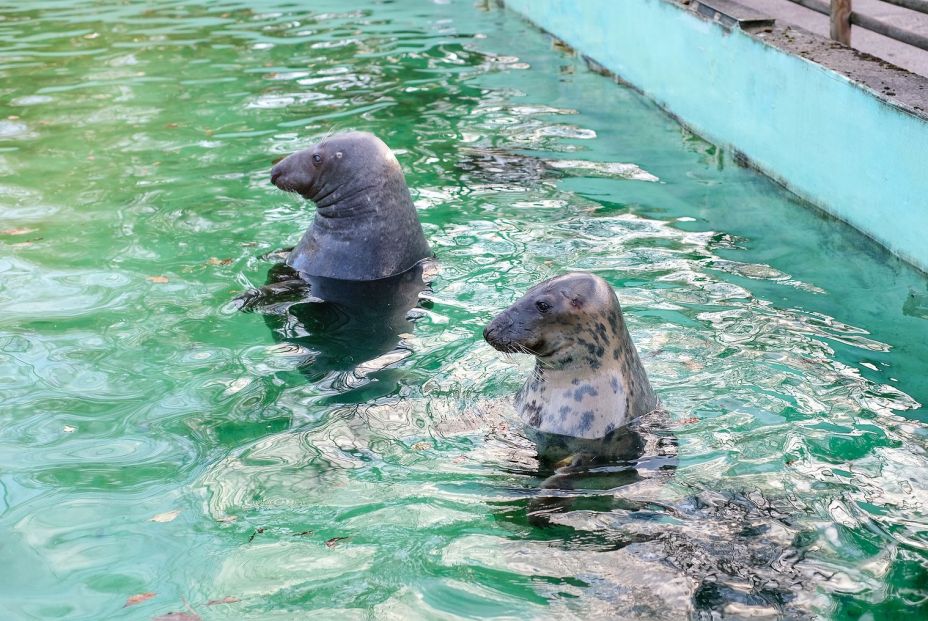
[{"x": 135, "y": 145}]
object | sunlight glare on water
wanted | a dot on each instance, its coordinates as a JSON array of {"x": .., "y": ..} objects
[{"x": 151, "y": 442}]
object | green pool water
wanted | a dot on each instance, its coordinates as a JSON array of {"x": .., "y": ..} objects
[{"x": 153, "y": 441}]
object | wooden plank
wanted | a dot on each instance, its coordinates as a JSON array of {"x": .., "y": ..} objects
[
  {"x": 888, "y": 30},
  {"x": 841, "y": 21},
  {"x": 871, "y": 23},
  {"x": 916, "y": 5}
]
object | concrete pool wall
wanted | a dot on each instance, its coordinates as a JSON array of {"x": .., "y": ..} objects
[{"x": 847, "y": 132}]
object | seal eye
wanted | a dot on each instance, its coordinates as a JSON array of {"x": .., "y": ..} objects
[
  {"x": 543, "y": 307},
  {"x": 317, "y": 159}
]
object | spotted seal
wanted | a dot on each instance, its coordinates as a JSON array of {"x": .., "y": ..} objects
[
  {"x": 366, "y": 226},
  {"x": 588, "y": 380},
  {"x": 346, "y": 326}
]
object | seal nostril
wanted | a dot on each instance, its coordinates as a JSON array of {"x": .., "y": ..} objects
[{"x": 275, "y": 175}]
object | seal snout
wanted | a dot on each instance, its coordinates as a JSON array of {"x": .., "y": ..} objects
[
  {"x": 497, "y": 333},
  {"x": 294, "y": 173}
]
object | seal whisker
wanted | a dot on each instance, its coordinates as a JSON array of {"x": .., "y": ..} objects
[
  {"x": 523, "y": 349},
  {"x": 334, "y": 128}
]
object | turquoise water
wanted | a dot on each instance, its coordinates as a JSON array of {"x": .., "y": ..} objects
[{"x": 154, "y": 442}]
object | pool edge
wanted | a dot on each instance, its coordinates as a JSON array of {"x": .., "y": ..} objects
[{"x": 770, "y": 95}]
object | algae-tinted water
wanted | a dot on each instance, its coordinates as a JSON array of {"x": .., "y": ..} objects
[{"x": 135, "y": 144}]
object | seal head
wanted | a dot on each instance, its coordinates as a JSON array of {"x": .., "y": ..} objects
[
  {"x": 588, "y": 379},
  {"x": 366, "y": 226}
]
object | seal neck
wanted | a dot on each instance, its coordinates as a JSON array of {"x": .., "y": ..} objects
[
  {"x": 585, "y": 403},
  {"x": 343, "y": 202}
]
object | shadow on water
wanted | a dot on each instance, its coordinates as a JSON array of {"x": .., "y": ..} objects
[{"x": 343, "y": 326}]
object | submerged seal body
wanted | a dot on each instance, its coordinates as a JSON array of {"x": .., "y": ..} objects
[
  {"x": 343, "y": 324},
  {"x": 366, "y": 226},
  {"x": 588, "y": 380}
]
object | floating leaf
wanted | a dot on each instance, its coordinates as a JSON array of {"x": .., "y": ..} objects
[
  {"x": 177, "y": 616},
  {"x": 169, "y": 516},
  {"x": 567, "y": 461},
  {"x": 421, "y": 446},
  {"x": 257, "y": 532},
  {"x": 430, "y": 270},
  {"x": 69, "y": 429},
  {"x": 224, "y": 600},
  {"x": 249, "y": 244},
  {"x": 217, "y": 261},
  {"x": 17, "y": 231},
  {"x": 158, "y": 279},
  {"x": 331, "y": 543},
  {"x": 138, "y": 599}
]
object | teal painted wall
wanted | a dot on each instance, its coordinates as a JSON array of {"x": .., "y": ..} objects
[{"x": 829, "y": 140}]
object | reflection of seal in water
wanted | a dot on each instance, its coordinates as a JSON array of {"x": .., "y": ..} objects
[
  {"x": 345, "y": 323},
  {"x": 588, "y": 381},
  {"x": 366, "y": 227}
]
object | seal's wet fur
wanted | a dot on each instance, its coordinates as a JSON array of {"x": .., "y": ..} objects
[
  {"x": 366, "y": 226},
  {"x": 588, "y": 381}
]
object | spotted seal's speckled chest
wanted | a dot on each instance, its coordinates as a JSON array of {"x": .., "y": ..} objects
[{"x": 587, "y": 402}]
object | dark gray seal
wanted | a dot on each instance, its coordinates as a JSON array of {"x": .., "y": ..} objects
[
  {"x": 366, "y": 226},
  {"x": 588, "y": 381}
]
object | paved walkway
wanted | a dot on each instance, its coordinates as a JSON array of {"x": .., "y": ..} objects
[{"x": 905, "y": 56}]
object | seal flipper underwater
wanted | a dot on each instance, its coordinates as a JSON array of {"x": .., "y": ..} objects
[{"x": 283, "y": 284}]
